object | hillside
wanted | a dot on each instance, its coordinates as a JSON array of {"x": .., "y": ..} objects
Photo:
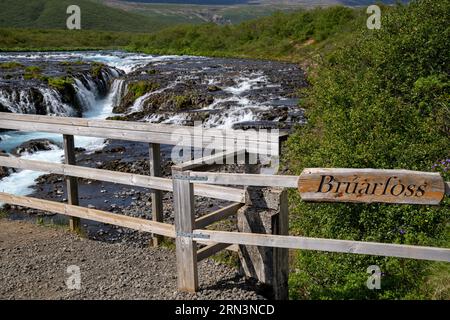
[
  {"x": 283, "y": 36},
  {"x": 51, "y": 14}
]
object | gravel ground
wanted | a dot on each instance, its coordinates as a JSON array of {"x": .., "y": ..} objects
[{"x": 34, "y": 261}]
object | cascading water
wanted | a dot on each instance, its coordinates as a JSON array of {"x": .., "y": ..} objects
[
  {"x": 34, "y": 101},
  {"x": 118, "y": 90},
  {"x": 96, "y": 96},
  {"x": 54, "y": 104},
  {"x": 86, "y": 96},
  {"x": 138, "y": 105},
  {"x": 240, "y": 93}
]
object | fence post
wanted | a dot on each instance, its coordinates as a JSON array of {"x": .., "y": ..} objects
[
  {"x": 266, "y": 212},
  {"x": 72, "y": 182},
  {"x": 186, "y": 248},
  {"x": 157, "y": 204}
]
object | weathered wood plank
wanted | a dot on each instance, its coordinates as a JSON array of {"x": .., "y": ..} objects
[
  {"x": 138, "y": 126},
  {"x": 331, "y": 245},
  {"x": 90, "y": 214},
  {"x": 164, "y": 184},
  {"x": 260, "y": 180},
  {"x": 71, "y": 182},
  {"x": 174, "y": 138},
  {"x": 371, "y": 185},
  {"x": 186, "y": 248},
  {"x": 210, "y": 250},
  {"x": 157, "y": 201},
  {"x": 218, "y": 215},
  {"x": 217, "y": 158}
]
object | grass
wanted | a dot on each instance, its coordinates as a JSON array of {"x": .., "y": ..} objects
[
  {"x": 292, "y": 37},
  {"x": 10, "y": 65},
  {"x": 51, "y": 14},
  {"x": 33, "y": 72},
  {"x": 63, "y": 40},
  {"x": 59, "y": 83},
  {"x": 97, "y": 69},
  {"x": 140, "y": 88},
  {"x": 228, "y": 258},
  {"x": 437, "y": 284}
]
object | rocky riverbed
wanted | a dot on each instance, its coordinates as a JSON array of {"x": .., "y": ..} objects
[{"x": 216, "y": 92}]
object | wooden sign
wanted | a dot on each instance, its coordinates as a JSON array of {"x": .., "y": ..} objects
[{"x": 370, "y": 185}]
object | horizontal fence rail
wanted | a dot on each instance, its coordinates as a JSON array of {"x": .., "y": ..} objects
[
  {"x": 90, "y": 214},
  {"x": 144, "y": 132},
  {"x": 330, "y": 245},
  {"x": 164, "y": 184}
]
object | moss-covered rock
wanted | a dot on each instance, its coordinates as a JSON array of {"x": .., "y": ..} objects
[{"x": 135, "y": 90}]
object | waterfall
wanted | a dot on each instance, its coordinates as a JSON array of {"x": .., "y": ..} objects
[
  {"x": 85, "y": 95},
  {"x": 138, "y": 105},
  {"x": 118, "y": 90},
  {"x": 34, "y": 101},
  {"x": 54, "y": 104}
]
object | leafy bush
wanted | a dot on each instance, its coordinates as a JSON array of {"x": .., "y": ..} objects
[{"x": 380, "y": 102}]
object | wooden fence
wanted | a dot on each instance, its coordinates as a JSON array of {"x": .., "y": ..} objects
[{"x": 186, "y": 183}]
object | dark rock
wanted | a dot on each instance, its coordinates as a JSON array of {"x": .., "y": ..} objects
[
  {"x": 214, "y": 88},
  {"x": 33, "y": 146},
  {"x": 4, "y": 171}
]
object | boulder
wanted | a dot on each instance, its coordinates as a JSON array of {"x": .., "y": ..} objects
[
  {"x": 34, "y": 146},
  {"x": 4, "y": 171}
]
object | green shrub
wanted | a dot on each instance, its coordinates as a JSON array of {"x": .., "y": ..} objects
[{"x": 380, "y": 102}]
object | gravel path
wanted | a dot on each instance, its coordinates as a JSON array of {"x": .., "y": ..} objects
[{"x": 34, "y": 261}]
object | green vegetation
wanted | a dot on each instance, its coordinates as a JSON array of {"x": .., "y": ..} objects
[
  {"x": 3, "y": 214},
  {"x": 140, "y": 88},
  {"x": 59, "y": 83},
  {"x": 382, "y": 101},
  {"x": 61, "y": 40},
  {"x": 51, "y": 14},
  {"x": 291, "y": 37},
  {"x": 33, "y": 72},
  {"x": 228, "y": 258},
  {"x": 97, "y": 68},
  {"x": 10, "y": 65},
  {"x": 182, "y": 102},
  {"x": 280, "y": 36}
]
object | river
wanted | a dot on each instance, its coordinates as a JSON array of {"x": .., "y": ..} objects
[{"x": 227, "y": 92}]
